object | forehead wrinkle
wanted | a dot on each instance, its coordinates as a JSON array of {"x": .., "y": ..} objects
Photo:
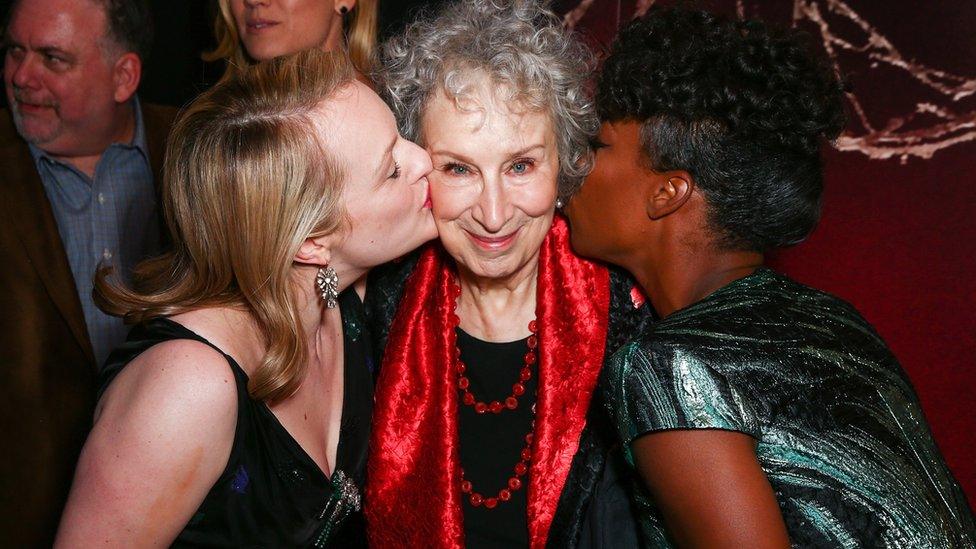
[{"x": 517, "y": 132}]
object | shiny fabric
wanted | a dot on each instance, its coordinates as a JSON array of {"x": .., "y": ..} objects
[
  {"x": 840, "y": 432},
  {"x": 413, "y": 498}
]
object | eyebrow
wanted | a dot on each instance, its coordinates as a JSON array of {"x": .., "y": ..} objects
[
  {"x": 53, "y": 50},
  {"x": 515, "y": 154},
  {"x": 8, "y": 42}
]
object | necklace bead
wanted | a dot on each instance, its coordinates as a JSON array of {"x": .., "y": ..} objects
[
  {"x": 514, "y": 483},
  {"x": 518, "y": 389}
]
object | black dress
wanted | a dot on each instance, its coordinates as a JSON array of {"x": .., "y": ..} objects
[
  {"x": 271, "y": 493},
  {"x": 491, "y": 444}
]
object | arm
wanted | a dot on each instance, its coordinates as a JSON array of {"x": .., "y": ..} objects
[
  {"x": 162, "y": 437},
  {"x": 710, "y": 489}
]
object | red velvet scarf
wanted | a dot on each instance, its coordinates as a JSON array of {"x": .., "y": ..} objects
[{"x": 413, "y": 497}]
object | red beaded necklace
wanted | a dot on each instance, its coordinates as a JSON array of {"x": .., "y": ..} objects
[{"x": 514, "y": 483}]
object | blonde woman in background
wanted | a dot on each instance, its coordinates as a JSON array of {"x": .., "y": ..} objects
[
  {"x": 237, "y": 413},
  {"x": 249, "y": 31}
]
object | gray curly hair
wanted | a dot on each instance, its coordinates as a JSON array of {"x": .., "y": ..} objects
[{"x": 521, "y": 46}]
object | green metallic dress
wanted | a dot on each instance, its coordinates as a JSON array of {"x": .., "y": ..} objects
[{"x": 840, "y": 432}]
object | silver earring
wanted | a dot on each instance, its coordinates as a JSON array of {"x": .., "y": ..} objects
[
  {"x": 559, "y": 203},
  {"x": 327, "y": 282}
]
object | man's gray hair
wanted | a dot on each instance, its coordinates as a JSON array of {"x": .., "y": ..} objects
[{"x": 521, "y": 47}]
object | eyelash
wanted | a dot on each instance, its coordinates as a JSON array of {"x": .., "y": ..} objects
[
  {"x": 596, "y": 144},
  {"x": 396, "y": 170},
  {"x": 529, "y": 163},
  {"x": 451, "y": 167}
]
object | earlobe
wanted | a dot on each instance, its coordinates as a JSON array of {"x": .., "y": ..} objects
[
  {"x": 127, "y": 73},
  {"x": 345, "y": 6},
  {"x": 669, "y": 192}
]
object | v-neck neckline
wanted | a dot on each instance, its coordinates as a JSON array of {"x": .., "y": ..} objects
[{"x": 296, "y": 448}]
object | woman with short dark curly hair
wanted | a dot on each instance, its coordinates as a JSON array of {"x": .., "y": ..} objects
[{"x": 758, "y": 411}]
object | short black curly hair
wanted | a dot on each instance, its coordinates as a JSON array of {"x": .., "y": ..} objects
[{"x": 742, "y": 106}]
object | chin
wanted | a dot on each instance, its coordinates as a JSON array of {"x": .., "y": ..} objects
[
  {"x": 418, "y": 238},
  {"x": 499, "y": 267},
  {"x": 260, "y": 52}
]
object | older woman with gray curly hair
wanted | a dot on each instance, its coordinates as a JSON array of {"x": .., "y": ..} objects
[{"x": 484, "y": 431}]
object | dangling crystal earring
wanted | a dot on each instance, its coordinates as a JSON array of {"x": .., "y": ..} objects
[
  {"x": 559, "y": 203},
  {"x": 327, "y": 281}
]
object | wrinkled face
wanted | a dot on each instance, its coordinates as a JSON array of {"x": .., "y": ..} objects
[
  {"x": 493, "y": 184},
  {"x": 386, "y": 193},
  {"x": 270, "y": 28},
  {"x": 605, "y": 214},
  {"x": 59, "y": 80}
]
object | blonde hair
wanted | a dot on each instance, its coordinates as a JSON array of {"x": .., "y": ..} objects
[
  {"x": 360, "y": 31},
  {"x": 246, "y": 181}
]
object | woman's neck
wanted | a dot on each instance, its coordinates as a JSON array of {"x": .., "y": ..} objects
[
  {"x": 675, "y": 282},
  {"x": 319, "y": 323},
  {"x": 497, "y": 309}
]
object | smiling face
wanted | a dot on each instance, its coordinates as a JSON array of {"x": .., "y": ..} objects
[
  {"x": 494, "y": 182},
  {"x": 60, "y": 83},
  {"x": 385, "y": 192},
  {"x": 270, "y": 28},
  {"x": 606, "y": 216}
]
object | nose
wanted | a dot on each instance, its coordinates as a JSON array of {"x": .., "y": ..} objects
[
  {"x": 253, "y": 3},
  {"x": 492, "y": 208},
  {"x": 24, "y": 71},
  {"x": 421, "y": 161}
]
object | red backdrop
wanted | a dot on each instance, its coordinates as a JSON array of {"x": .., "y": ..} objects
[{"x": 898, "y": 233}]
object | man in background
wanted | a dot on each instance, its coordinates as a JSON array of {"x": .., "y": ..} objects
[{"x": 80, "y": 160}]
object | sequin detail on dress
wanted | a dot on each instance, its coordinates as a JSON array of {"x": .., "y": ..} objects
[{"x": 345, "y": 500}]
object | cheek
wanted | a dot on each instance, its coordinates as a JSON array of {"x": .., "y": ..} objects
[
  {"x": 310, "y": 19},
  {"x": 449, "y": 202},
  {"x": 8, "y": 72},
  {"x": 535, "y": 199},
  {"x": 237, "y": 13},
  {"x": 74, "y": 105}
]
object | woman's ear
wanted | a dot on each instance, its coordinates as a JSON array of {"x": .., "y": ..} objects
[
  {"x": 668, "y": 192},
  {"x": 315, "y": 251}
]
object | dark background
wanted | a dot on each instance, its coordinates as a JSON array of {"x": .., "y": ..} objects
[
  {"x": 898, "y": 236},
  {"x": 175, "y": 72}
]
